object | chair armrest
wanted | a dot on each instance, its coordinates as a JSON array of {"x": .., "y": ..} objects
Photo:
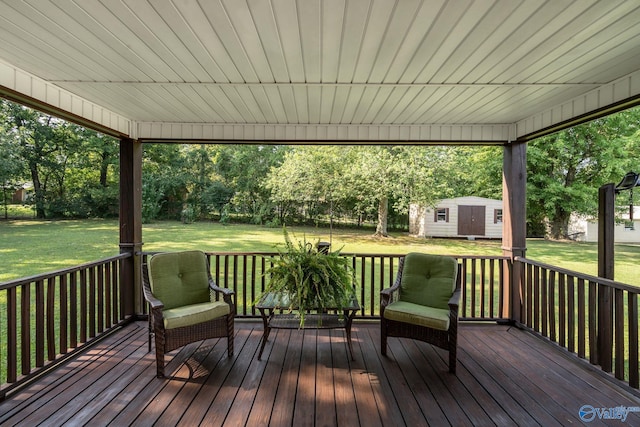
[
  {"x": 454, "y": 301},
  {"x": 154, "y": 302},
  {"x": 227, "y": 294},
  {"x": 389, "y": 295}
]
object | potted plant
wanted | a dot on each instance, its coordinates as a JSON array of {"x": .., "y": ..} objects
[{"x": 311, "y": 278}]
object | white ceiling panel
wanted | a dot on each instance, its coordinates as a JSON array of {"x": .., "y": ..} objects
[{"x": 324, "y": 69}]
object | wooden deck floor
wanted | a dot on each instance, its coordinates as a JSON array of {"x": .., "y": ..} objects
[{"x": 505, "y": 377}]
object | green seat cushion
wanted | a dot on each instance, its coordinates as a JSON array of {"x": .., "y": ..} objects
[
  {"x": 406, "y": 312},
  {"x": 194, "y": 314},
  {"x": 179, "y": 278},
  {"x": 428, "y": 279}
]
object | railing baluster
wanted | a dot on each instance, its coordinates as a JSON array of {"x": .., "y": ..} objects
[
  {"x": 582, "y": 318},
  {"x": 107, "y": 296},
  {"x": 474, "y": 288},
  {"x": 83, "y": 306},
  {"x": 562, "y": 311},
  {"x": 465, "y": 291},
  {"x": 92, "y": 302},
  {"x": 51, "y": 333},
  {"x": 492, "y": 288},
  {"x": 593, "y": 323},
  {"x": 372, "y": 277},
  {"x": 100, "y": 299},
  {"x": 12, "y": 335},
  {"x": 63, "y": 310},
  {"x": 25, "y": 327},
  {"x": 634, "y": 374},
  {"x": 551, "y": 305},
  {"x": 73, "y": 309},
  {"x": 544, "y": 298},
  {"x": 40, "y": 321},
  {"x": 529, "y": 297},
  {"x": 253, "y": 284},
  {"x": 482, "y": 289},
  {"x": 619, "y": 333},
  {"x": 115, "y": 272},
  {"x": 571, "y": 313}
]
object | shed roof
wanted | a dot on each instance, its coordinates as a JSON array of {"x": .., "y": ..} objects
[{"x": 479, "y": 71}]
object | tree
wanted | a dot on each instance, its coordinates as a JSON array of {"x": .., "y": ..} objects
[
  {"x": 244, "y": 169},
  {"x": 11, "y": 170},
  {"x": 308, "y": 177},
  {"x": 370, "y": 180},
  {"x": 392, "y": 177},
  {"x": 164, "y": 181},
  {"x": 33, "y": 134},
  {"x": 566, "y": 169}
]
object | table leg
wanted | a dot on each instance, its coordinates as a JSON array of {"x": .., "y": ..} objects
[
  {"x": 347, "y": 328},
  {"x": 265, "y": 334}
]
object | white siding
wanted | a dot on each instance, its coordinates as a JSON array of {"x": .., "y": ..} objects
[
  {"x": 620, "y": 233},
  {"x": 422, "y": 221}
]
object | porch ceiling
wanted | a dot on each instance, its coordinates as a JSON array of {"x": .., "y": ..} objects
[{"x": 311, "y": 70}]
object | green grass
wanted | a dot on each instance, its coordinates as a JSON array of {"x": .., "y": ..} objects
[{"x": 29, "y": 247}]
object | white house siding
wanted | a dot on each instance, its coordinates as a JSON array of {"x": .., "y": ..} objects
[
  {"x": 620, "y": 233},
  {"x": 422, "y": 223},
  {"x": 586, "y": 229}
]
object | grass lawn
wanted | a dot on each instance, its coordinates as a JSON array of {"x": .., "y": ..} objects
[{"x": 29, "y": 247}]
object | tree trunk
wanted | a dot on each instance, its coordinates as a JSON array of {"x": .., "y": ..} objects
[
  {"x": 383, "y": 212},
  {"x": 38, "y": 192},
  {"x": 5, "y": 202},
  {"x": 104, "y": 168},
  {"x": 559, "y": 224}
]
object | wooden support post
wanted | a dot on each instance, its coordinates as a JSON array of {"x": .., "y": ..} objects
[
  {"x": 130, "y": 225},
  {"x": 606, "y": 227},
  {"x": 514, "y": 229}
]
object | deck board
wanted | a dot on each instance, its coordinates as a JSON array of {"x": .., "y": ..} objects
[{"x": 505, "y": 377}]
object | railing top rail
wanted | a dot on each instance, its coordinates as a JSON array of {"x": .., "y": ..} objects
[
  {"x": 352, "y": 254},
  {"x": 596, "y": 279},
  {"x": 44, "y": 276}
]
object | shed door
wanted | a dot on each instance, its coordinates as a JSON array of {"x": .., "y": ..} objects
[{"x": 471, "y": 220}]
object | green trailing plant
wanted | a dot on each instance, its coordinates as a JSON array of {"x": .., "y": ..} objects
[{"x": 312, "y": 279}]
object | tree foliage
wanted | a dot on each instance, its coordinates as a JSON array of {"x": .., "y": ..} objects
[
  {"x": 566, "y": 169},
  {"x": 74, "y": 173}
]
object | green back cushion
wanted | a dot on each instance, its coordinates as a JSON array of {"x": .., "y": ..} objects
[
  {"x": 428, "y": 279},
  {"x": 179, "y": 278}
]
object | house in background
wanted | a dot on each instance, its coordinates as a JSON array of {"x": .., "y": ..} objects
[
  {"x": 626, "y": 231},
  {"x": 22, "y": 193},
  {"x": 471, "y": 217}
]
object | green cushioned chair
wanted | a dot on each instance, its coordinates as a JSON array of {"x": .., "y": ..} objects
[
  {"x": 184, "y": 303},
  {"x": 423, "y": 303}
]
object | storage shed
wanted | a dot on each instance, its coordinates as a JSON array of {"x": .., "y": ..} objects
[{"x": 471, "y": 217}]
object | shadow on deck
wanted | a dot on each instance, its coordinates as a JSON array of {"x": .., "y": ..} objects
[{"x": 505, "y": 377}]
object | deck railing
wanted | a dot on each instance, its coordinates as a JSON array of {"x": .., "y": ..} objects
[
  {"x": 45, "y": 319},
  {"x": 592, "y": 317},
  {"x": 483, "y": 281}
]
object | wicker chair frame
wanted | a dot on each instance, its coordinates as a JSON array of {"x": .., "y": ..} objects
[
  {"x": 167, "y": 340},
  {"x": 447, "y": 340}
]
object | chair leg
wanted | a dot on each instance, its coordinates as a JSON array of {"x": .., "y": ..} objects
[
  {"x": 159, "y": 364},
  {"x": 453, "y": 348},
  {"x": 383, "y": 337},
  {"x": 230, "y": 336},
  {"x": 150, "y": 329},
  {"x": 160, "y": 340}
]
